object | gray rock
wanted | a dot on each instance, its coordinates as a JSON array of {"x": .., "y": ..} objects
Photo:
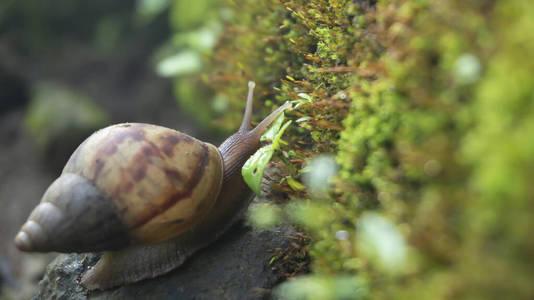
[
  {"x": 5, "y": 274},
  {"x": 234, "y": 267}
]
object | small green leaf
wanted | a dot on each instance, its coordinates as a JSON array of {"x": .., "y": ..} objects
[
  {"x": 305, "y": 96},
  {"x": 253, "y": 169},
  {"x": 295, "y": 185},
  {"x": 303, "y": 119},
  {"x": 277, "y": 139},
  {"x": 297, "y": 103},
  {"x": 305, "y": 99},
  {"x": 271, "y": 133}
]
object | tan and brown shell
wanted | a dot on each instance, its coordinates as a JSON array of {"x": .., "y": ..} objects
[
  {"x": 154, "y": 175},
  {"x": 152, "y": 183}
]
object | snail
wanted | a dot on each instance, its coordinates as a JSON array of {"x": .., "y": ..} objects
[{"x": 145, "y": 195}]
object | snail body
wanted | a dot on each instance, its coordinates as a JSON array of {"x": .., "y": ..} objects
[{"x": 147, "y": 195}]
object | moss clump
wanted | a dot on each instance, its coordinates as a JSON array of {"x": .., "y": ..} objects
[
  {"x": 437, "y": 144},
  {"x": 427, "y": 108}
]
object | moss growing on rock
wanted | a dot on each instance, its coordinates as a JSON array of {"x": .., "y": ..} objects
[
  {"x": 437, "y": 144},
  {"x": 427, "y": 107}
]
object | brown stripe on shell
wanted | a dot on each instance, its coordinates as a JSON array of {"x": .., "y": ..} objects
[
  {"x": 138, "y": 169},
  {"x": 110, "y": 147},
  {"x": 140, "y": 172},
  {"x": 171, "y": 140},
  {"x": 140, "y": 163},
  {"x": 135, "y": 132},
  {"x": 125, "y": 186},
  {"x": 190, "y": 186},
  {"x": 174, "y": 175},
  {"x": 99, "y": 165}
]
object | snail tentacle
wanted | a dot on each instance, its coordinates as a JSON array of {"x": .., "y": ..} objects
[
  {"x": 260, "y": 129},
  {"x": 247, "y": 116}
]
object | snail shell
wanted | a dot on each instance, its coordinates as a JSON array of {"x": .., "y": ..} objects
[
  {"x": 148, "y": 195},
  {"x": 144, "y": 180}
]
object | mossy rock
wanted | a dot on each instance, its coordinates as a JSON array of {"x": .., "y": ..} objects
[{"x": 428, "y": 108}]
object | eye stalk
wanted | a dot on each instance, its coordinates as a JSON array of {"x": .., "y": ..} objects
[
  {"x": 245, "y": 124},
  {"x": 241, "y": 145}
]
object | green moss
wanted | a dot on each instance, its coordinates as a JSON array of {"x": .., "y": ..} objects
[
  {"x": 427, "y": 108},
  {"x": 431, "y": 144}
]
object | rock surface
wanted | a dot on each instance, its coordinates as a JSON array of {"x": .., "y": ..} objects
[{"x": 234, "y": 267}]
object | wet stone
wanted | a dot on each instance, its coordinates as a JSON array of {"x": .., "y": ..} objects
[{"x": 234, "y": 267}]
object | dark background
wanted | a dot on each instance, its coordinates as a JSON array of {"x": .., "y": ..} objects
[{"x": 99, "y": 49}]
